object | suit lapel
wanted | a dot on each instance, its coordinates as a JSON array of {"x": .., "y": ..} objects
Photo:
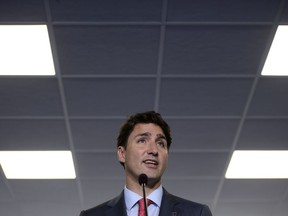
[
  {"x": 117, "y": 206},
  {"x": 168, "y": 205}
]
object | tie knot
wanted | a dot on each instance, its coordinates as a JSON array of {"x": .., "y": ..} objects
[
  {"x": 142, "y": 206},
  {"x": 141, "y": 202}
]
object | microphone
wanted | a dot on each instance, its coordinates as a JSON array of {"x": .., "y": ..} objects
[{"x": 143, "y": 179}]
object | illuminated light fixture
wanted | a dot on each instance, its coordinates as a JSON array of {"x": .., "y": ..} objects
[
  {"x": 25, "y": 50},
  {"x": 276, "y": 63},
  {"x": 37, "y": 164},
  {"x": 261, "y": 164}
]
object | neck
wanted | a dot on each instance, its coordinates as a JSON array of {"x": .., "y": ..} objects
[{"x": 134, "y": 186}]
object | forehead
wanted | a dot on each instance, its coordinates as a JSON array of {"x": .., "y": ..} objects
[{"x": 146, "y": 127}]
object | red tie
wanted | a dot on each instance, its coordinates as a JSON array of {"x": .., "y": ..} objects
[{"x": 141, "y": 211}]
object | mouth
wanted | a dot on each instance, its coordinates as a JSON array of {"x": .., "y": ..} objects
[{"x": 151, "y": 163}]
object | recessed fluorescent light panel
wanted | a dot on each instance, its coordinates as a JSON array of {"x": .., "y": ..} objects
[
  {"x": 25, "y": 50},
  {"x": 276, "y": 63},
  {"x": 37, "y": 164},
  {"x": 258, "y": 165}
]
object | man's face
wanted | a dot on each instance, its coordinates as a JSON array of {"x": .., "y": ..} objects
[{"x": 146, "y": 152}]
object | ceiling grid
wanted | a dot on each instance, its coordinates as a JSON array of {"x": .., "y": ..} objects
[{"x": 197, "y": 63}]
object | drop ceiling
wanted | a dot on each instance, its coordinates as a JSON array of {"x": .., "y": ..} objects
[{"x": 198, "y": 63}]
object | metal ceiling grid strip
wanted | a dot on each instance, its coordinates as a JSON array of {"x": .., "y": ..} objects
[
  {"x": 160, "y": 54},
  {"x": 247, "y": 106},
  {"x": 63, "y": 97},
  {"x": 280, "y": 202},
  {"x": 11, "y": 192}
]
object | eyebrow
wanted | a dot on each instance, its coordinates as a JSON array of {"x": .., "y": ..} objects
[
  {"x": 161, "y": 136},
  {"x": 147, "y": 134}
]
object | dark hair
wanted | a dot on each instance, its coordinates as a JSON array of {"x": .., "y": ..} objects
[{"x": 145, "y": 117}]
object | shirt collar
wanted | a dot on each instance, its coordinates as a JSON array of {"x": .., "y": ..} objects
[{"x": 131, "y": 198}]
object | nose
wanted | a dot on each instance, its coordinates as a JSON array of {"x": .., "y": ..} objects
[{"x": 153, "y": 150}]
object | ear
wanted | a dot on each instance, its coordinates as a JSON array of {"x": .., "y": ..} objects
[{"x": 121, "y": 154}]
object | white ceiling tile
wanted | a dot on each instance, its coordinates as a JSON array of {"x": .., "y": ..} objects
[
  {"x": 10, "y": 209},
  {"x": 29, "y": 97},
  {"x": 198, "y": 190},
  {"x": 103, "y": 50},
  {"x": 207, "y": 50},
  {"x": 195, "y": 134},
  {"x": 96, "y": 134},
  {"x": 253, "y": 190},
  {"x": 50, "y": 208},
  {"x": 244, "y": 208},
  {"x": 106, "y": 10},
  {"x": 99, "y": 190},
  {"x": 13, "y": 10},
  {"x": 270, "y": 98},
  {"x": 6, "y": 196},
  {"x": 186, "y": 164},
  {"x": 269, "y": 134},
  {"x": 99, "y": 165},
  {"x": 204, "y": 97},
  {"x": 88, "y": 97},
  {"x": 281, "y": 208},
  {"x": 237, "y": 10},
  {"x": 50, "y": 191},
  {"x": 33, "y": 134}
]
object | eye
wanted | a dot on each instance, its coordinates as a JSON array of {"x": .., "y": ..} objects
[
  {"x": 162, "y": 144},
  {"x": 142, "y": 140}
]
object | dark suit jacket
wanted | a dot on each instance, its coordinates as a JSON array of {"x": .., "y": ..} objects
[{"x": 170, "y": 206}]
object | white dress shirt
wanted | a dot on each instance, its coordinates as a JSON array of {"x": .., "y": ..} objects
[{"x": 132, "y": 198}]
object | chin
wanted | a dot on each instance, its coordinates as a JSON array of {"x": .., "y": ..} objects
[{"x": 153, "y": 177}]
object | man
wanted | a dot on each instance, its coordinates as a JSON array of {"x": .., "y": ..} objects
[{"x": 143, "y": 147}]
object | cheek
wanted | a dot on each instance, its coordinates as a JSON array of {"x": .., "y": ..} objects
[
  {"x": 136, "y": 156},
  {"x": 133, "y": 156},
  {"x": 165, "y": 159}
]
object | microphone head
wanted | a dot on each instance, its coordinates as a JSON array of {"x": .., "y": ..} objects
[{"x": 143, "y": 179}]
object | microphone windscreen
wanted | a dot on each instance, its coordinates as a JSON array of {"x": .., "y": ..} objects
[{"x": 143, "y": 179}]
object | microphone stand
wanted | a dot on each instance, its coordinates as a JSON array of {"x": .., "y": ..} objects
[
  {"x": 144, "y": 196},
  {"x": 143, "y": 180}
]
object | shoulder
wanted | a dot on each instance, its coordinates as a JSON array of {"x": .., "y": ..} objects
[
  {"x": 187, "y": 207},
  {"x": 115, "y": 204},
  {"x": 97, "y": 210}
]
